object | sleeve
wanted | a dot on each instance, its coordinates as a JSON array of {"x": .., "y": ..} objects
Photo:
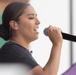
[{"x": 18, "y": 55}]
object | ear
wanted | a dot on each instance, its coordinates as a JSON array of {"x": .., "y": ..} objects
[{"x": 13, "y": 25}]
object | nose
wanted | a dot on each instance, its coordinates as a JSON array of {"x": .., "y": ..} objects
[{"x": 37, "y": 21}]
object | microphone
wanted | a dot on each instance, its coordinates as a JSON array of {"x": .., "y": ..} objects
[{"x": 64, "y": 35}]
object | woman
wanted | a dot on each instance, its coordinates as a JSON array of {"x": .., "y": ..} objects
[{"x": 20, "y": 24}]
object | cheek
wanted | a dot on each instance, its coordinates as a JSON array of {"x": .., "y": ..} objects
[{"x": 26, "y": 28}]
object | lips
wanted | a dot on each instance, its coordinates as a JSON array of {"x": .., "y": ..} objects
[{"x": 36, "y": 29}]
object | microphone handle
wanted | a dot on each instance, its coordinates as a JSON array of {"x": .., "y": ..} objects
[{"x": 69, "y": 37}]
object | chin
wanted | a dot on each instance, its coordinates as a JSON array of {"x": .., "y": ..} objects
[{"x": 34, "y": 38}]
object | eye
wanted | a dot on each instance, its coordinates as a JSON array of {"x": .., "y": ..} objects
[{"x": 31, "y": 17}]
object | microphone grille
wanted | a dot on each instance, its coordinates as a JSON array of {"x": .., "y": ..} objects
[{"x": 45, "y": 32}]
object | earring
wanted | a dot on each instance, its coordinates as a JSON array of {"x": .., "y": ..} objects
[{"x": 15, "y": 23}]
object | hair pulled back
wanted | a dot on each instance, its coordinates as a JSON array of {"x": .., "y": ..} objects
[{"x": 11, "y": 12}]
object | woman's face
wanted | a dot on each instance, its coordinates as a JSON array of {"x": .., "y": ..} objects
[{"x": 29, "y": 24}]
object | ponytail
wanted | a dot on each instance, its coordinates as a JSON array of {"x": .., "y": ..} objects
[{"x": 4, "y": 33}]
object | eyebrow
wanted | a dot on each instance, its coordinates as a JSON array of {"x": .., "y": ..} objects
[{"x": 31, "y": 14}]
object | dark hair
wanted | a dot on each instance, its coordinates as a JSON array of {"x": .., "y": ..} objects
[{"x": 12, "y": 12}]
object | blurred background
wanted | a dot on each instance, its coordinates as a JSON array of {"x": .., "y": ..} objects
[{"x": 60, "y": 13}]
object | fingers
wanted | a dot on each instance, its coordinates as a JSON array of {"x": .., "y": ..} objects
[
  {"x": 54, "y": 34},
  {"x": 52, "y": 28}
]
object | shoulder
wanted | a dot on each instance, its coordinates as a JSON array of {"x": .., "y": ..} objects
[
  {"x": 15, "y": 50},
  {"x": 12, "y": 52},
  {"x": 13, "y": 47}
]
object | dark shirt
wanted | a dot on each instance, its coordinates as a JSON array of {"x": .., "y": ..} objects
[{"x": 14, "y": 53}]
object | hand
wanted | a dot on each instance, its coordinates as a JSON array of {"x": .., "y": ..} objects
[{"x": 55, "y": 35}]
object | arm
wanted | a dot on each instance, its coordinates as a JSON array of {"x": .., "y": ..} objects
[{"x": 52, "y": 65}]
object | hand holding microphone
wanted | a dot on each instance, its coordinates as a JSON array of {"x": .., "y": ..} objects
[
  {"x": 54, "y": 34},
  {"x": 64, "y": 35}
]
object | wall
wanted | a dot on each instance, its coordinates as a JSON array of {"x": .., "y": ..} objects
[{"x": 56, "y": 13}]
